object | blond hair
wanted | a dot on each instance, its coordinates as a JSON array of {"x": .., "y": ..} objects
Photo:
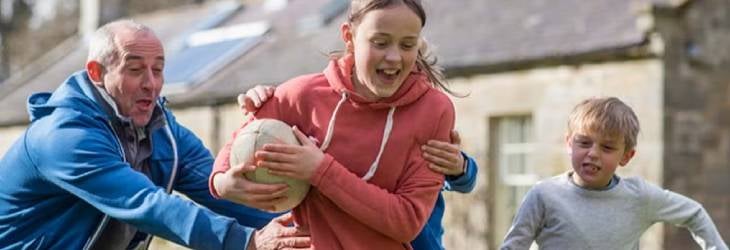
[{"x": 608, "y": 117}]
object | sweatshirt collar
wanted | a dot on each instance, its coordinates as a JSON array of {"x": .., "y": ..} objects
[{"x": 339, "y": 75}]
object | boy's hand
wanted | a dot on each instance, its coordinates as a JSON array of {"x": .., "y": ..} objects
[
  {"x": 252, "y": 100},
  {"x": 234, "y": 186},
  {"x": 444, "y": 157},
  {"x": 279, "y": 235}
]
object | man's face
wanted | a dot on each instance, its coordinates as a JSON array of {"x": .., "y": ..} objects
[{"x": 135, "y": 79}]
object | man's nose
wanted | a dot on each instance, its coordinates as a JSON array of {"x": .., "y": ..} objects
[{"x": 148, "y": 79}]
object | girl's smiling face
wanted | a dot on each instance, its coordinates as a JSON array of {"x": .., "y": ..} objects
[{"x": 385, "y": 44}]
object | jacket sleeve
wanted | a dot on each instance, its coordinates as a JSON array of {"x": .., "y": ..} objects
[
  {"x": 464, "y": 183},
  {"x": 674, "y": 208},
  {"x": 526, "y": 225},
  {"x": 88, "y": 164},
  {"x": 194, "y": 164}
]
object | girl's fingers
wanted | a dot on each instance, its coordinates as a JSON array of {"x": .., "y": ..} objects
[
  {"x": 280, "y": 148},
  {"x": 268, "y": 156},
  {"x": 251, "y": 187},
  {"x": 242, "y": 168},
  {"x": 278, "y": 166}
]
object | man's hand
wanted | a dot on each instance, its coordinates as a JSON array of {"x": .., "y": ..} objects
[
  {"x": 252, "y": 100},
  {"x": 234, "y": 186},
  {"x": 279, "y": 235},
  {"x": 444, "y": 157}
]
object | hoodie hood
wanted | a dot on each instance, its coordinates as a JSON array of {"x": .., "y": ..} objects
[
  {"x": 76, "y": 92},
  {"x": 339, "y": 76}
]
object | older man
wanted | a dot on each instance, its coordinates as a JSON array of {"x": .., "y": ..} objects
[{"x": 95, "y": 168}]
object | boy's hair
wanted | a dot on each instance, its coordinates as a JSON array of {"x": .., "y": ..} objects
[{"x": 607, "y": 116}]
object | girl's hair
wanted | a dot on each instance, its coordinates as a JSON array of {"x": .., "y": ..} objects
[{"x": 425, "y": 60}]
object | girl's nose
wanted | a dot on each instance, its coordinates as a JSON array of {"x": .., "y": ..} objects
[{"x": 392, "y": 54}]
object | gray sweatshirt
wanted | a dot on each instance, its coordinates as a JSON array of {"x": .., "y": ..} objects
[{"x": 557, "y": 214}]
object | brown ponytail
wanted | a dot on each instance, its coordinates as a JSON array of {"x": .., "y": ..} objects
[{"x": 427, "y": 62}]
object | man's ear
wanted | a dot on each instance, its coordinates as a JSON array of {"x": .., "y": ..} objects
[
  {"x": 95, "y": 71},
  {"x": 627, "y": 157},
  {"x": 347, "y": 37}
]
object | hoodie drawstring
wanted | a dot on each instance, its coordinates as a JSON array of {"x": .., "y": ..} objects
[
  {"x": 386, "y": 135},
  {"x": 331, "y": 126}
]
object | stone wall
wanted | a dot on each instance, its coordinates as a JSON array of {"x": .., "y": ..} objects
[{"x": 697, "y": 110}]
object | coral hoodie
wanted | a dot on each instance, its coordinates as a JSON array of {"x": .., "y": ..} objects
[{"x": 373, "y": 190}]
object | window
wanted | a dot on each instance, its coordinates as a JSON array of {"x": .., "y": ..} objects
[{"x": 511, "y": 170}]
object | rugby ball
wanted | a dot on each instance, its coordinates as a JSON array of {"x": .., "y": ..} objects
[{"x": 251, "y": 139}]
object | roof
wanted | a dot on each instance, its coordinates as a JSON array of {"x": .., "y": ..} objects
[{"x": 465, "y": 33}]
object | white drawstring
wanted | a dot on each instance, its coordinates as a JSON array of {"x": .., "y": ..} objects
[
  {"x": 331, "y": 126},
  {"x": 386, "y": 135}
]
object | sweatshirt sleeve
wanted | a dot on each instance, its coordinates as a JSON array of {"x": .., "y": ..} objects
[
  {"x": 464, "y": 183},
  {"x": 679, "y": 210},
  {"x": 526, "y": 225},
  {"x": 222, "y": 162},
  {"x": 88, "y": 164}
]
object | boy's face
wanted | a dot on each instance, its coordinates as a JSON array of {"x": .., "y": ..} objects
[{"x": 596, "y": 158}]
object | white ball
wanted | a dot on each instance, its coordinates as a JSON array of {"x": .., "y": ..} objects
[{"x": 250, "y": 139}]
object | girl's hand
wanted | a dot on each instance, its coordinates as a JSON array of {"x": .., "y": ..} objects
[
  {"x": 294, "y": 161},
  {"x": 444, "y": 157},
  {"x": 234, "y": 186}
]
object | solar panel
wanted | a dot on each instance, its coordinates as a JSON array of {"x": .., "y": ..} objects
[{"x": 207, "y": 52}]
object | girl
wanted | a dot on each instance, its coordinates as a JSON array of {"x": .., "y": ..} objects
[{"x": 372, "y": 108}]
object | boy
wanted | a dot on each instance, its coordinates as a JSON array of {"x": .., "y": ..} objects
[{"x": 591, "y": 207}]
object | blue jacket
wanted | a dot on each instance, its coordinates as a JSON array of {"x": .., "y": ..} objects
[
  {"x": 67, "y": 171},
  {"x": 431, "y": 236}
]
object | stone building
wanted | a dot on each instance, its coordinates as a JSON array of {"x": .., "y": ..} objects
[{"x": 524, "y": 64}]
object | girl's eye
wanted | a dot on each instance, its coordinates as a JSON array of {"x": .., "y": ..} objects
[
  {"x": 408, "y": 46},
  {"x": 379, "y": 43}
]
